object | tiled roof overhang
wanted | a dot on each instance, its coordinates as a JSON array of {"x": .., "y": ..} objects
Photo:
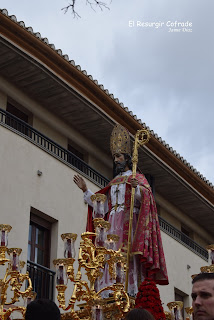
[{"x": 33, "y": 45}]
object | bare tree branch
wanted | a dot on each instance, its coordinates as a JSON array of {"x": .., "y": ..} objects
[
  {"x": 96, "y": 3},
  {"x": 93, "y": 3}
]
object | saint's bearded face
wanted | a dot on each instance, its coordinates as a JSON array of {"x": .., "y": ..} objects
[
  {"x": 120, "y": 167},
  {"x": 120, "y": 163}
]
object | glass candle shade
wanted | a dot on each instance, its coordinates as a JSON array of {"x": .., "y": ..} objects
[
  {"x": 4, "y": 230},
  {"x": 112, "y": 241},
  {"x": 189, "y": 311},
  {"x": 101, "y": 227},
  {"x": 111, "y": 244},
  {"x": 97, "y": 313},
  {"x": 175, "y": 308},
  {"x": 120, "y": 274},
  {"x": 4, "y": 238},
  {"x": 14, "y": 254},
  {"x": 61, "y": 271},
  {"x": 101, "y": 237},
  {"x": 61, "y": 276},
  {"x": 69, "y": 244},
  {"x": 98, "y": 201},
  {"x": 97, "y": 285}
]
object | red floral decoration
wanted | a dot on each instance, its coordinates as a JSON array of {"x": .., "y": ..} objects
[{"x": 148, "y": 297}]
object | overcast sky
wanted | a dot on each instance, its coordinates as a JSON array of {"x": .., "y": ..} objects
[{"x": 164, "y": 73}]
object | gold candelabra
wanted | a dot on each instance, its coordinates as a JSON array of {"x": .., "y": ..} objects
[
  {"x": 97, "y": 258},
  {"x": 175, "y": 308},
  {"x": 175, "y": 313},
  {"x": 13, "y": 278}
]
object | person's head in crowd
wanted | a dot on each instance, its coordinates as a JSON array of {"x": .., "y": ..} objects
[
  {"x": 42, "y": 309},
  {"x": 139, "y": 314},
  {"x": 203, "y": 296}
]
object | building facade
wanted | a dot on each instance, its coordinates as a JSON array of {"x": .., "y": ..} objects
[{"x": 55, "y": 121}]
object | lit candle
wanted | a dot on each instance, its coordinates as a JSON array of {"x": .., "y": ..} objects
[
  {"x": 68, "y": 253},
  {"x": 69, "y": 241},
  {"x": 97, "y": 313},
  {"x": 60, "y": 275},
  {"x": 4, "y": 230},
  {"x": 112, "y": 245},
  {"x": 98, "y": 201},
  {"x": 15, "y": 261},
  {"x": 3, "y": 238},
  {"x": 100, "y": 210},
  {"x": 119, "y": 273},
  {"x": 100, "y": 239},
  {"x": 97, "y": 285},
  {"x": 95, "y": 209},
  {"x": 178, "y": 314}
]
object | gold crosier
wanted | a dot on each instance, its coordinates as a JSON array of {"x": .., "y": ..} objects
[{"x": 141, "y": 138}]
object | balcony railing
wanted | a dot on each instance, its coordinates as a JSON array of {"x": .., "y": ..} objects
[
  {"x": 68, "y": 157},
  {"x": 42, "y": 280},
  {"x": 50, "y": 146},
  {"x": 182, "y": 238}
]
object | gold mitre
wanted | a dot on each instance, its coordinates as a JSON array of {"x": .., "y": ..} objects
[{"x": 120, "y": 140}]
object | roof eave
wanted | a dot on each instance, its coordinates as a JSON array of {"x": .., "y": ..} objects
[{"x": 42, "y": 52}]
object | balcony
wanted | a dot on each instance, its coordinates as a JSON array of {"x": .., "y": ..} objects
[
  {"x": 40, "y": 140},
  {"x": 42, "y": 280},
  {"x": 31, "y": 134},
  {"x": 183, "y": 239}
]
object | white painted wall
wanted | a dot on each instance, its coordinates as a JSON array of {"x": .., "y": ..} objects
[
  {"x": 53, "y": 193},
  {"x": 178, "y": 257}
]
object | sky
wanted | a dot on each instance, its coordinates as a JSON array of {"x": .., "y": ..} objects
[{"x": 155, "y": 56}]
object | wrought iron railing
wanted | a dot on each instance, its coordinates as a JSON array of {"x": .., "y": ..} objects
[
  {"x": 182, "y": 238},
  {"x": 52, "y": 147},
  {"x": 42, "y": 280},
  {"x": 68, "y": 157}
]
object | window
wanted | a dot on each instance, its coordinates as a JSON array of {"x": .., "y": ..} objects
[
  {"x": 16, "y": 112},
  {"x": 76, "y": 152},
  {"x": 186, "y": 234},
  {"x": 39, "y": 257},
  {"x": 16, "y": 124},
  {"x": 181, "y": 296},
  {"x": 39, "y": 244},
  {"x": 75, "y": 161},
  {"x": 186, "y": 231}
]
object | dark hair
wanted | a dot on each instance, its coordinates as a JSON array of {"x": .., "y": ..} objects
[
  {"x": 128, "y": 160},
  {"x": 139, "y": 314},
  {"x": 203, "y": 276},
  {"x": 42, "y": 309}
]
